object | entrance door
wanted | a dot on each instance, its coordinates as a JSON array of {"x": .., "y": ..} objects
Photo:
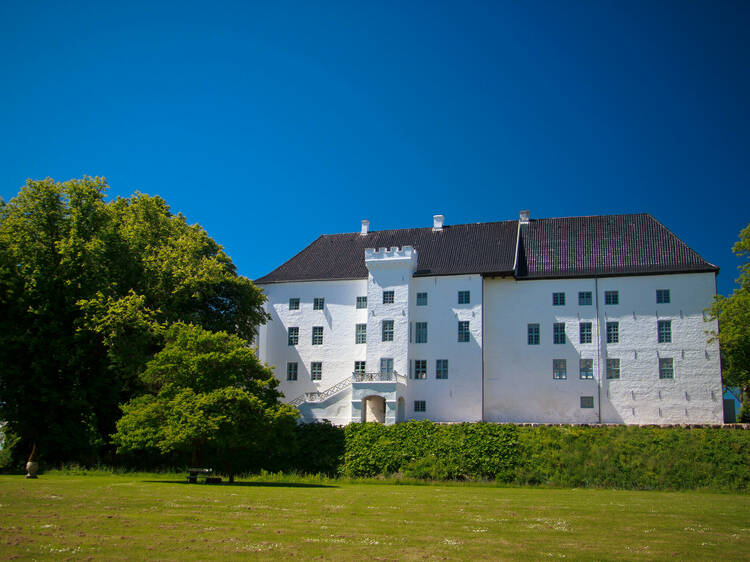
[{"x": 374, "y": 408}]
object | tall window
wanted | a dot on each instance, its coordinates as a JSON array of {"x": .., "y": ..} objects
[
  {"x": 558, "y": 299},
  {"x": 359, "y": 367},
  {"x": 613, "y": 332},
  {"x": 316, "y": 370},
  {"x": 294, "y": 304},
  {"x": 420, "y": 406},
  {"x": 662, "y": 296},
  {"x": 387, "y": 297},
  {"x": 665, "y": 331},
  {"x": 361, "y": 302},
  {"x": 421, "y": 299},
  {"x": 317, "y": 335},
  {"x": 584, "y": 332},
  {"x": 463, "y": 331},
  {"x": 558, "y": 333},
  {"x": 421, "y": 336},
  {"x": 559, "y": 369},
  {"x": 386, "y": 366},
  {"x": 666, "y": 368},
  {"x": 441, "y": 369},
  {"x": 533, "y": 334},
  {"x": 293, "y": 337},
  {"x": 291, "y": 371},
  {"x": 464, "y": 297},
  {"x": 318, "y": 303},
  {"x": 587, "y": 368},
  {"x": 360, "y": 335},
  {"x": 611, "y": 297},
  {"x": 584, "y": 298},
  {"x": 387, "y": 327},
  {"x": 613, "y": 368},
  {"x": 420, "y": 368}
]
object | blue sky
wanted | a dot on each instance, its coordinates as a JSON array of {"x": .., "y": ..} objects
[{"x": 270, "y": 123}]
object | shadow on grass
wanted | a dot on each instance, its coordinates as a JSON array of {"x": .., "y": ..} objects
[{"x": 250, "y": 484}]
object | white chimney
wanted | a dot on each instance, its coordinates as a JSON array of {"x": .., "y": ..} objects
[
  {"x": 437, "y": 222},
  {"x": 365, "y": 227},
  {"x": 523, "y": 217}
]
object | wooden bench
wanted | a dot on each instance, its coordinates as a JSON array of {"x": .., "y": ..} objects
[{"x": 203, "y": 473}]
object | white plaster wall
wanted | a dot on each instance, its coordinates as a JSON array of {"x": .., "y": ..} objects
[{"x": 459, "y": 397}]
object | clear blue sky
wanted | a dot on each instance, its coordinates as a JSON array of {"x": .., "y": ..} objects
[{"x": 270, "y": 123}]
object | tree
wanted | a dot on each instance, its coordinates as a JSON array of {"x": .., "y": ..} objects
[
  {"x": 211, "y": 398},
  {"x": 733, "y": 314}
]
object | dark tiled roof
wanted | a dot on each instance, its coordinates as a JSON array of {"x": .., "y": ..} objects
[{"x": 547, "y": 248}]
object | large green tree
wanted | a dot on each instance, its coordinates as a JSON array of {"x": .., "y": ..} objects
[
  {"x": 87, "y": 288},
  {"x": 733, "y": 313}
]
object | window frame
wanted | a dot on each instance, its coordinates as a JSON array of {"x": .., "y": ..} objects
[
  {"x": 589, "y": 371},
  {"x": 316, "y": 370},
  {"x": 420, "y": 369},
  {"x": 389, "y": 297},
  {"x": 587, "y": 402},
  {"x": 387, "y": 328},
  {"x": 559, "y": 369},
  {"x": 319, "y": 303},
  {"x": 360, "y": 334},
  {"x": 666, "y": 368},
  {"x": 420, "y": 406},
  {"x": 292, "y": 335},
  {"x": 317, "y": 335},
  {"x": 612, "y": 298},
  {"x": 585, "y": 332},
  {"x": 533, "y": 333},
  {"x": 360, "y": 368},
  {"x": 613, "y": 368},
  {"x": 464, "y": 331},
  {"x": 361, "y": 302},
  {"x": 292, "y": 370},
  {"x": 386, "y": 362},
  {"x": 664, "y": 331},
  {"x": 420, "y": 332},
  {"x": 441, "y": 369},
  {"x": 583, "y": 297},
  {"x": 422, "y": 298},
  {"x": 663, "y": 296},
  {"x": 558, "y": 299},
  {"x": 613, "y": 332},
  {"x": 294, "y": 303},
  {"x": 558, "y": 334},
  {"x": 464, "y": 297}
]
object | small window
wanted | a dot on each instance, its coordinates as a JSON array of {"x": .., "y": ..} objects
[
  {"x": 421, "y": 299},
  {"x": 584, "y": 298},
  {"x": 584, "y": 332},
  {"x": 291, "y": 371},
  {"x": 587, "y": 401},
  {"x": 421, "y": 336},
  {"x": 318, "y": 303},
  {"x": 294, "y": 304},
  {"x": 611, "y": 297},
  {"x": 665, "y": 331},
  {"x": 293, "y": 337},
  {"x": 464, "y": 297},
  {"x": 386, "y": 366},
  {"x": 558, "y": 299},
  {"x": 387, "y": 330},
  {"x": 613, "y": 332},
  {"x": 559, "y": 369},
  {"x": 441, "y": 369},
  {"x": 420, "y": 406},
  {"x": 463, "y": 331},
  {"x": 666, "y": 368},
  {"x": 662, "y": 296},
  {"x": 533, "y": 334},
  {"x": 359, "y": 367},
  {"x": 317, "y": 335},
  {"x": 613, "y": 368},
  {"x": 360, "y": 335},
  {"x": 558, "y": 333},
  {"x": 420, "y": 368},
  {"x": 587, "y": 368},
  {"x": 361, "y": 302},
  {"x": 387, "y": 297},
  {"x": 316, "y": 370}
]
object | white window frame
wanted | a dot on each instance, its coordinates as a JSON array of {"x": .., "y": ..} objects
[
  {"x": 386, "y": 365},
  {"x": 316, "y": 370},
  {"x": 317, "y": 335},
  {"x": 360, "y": 367},
  {"x": 360, "y": 333},
  {"x": 362, "y": 302},
  {"x": 664, "y": 331},
  {"x": 292, "y": 337},
  {"x": 387, "y": 329}
]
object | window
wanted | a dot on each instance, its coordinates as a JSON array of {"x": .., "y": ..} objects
[
  {"x": 558, "y": 299},
  {"x": 665, "y": 331},
  {"x": 441, "y": 369},
  {"x": 584, "y": 298},
  {"x": 387, "y": 330},
  {"x": 318, "y": 303},
  {"x": 666, "y": 368},
  {"x": 584, "y": 332},
  {"x": 420, "y": 406},
  {"x": 386, "y": 365},
  {"x": 421, "y": 336},
  {"x": 359, "y": 367},
  {"x": 317, "y": 335},
  {"x": 291, "y": 371},
  {"x": 293, "y": 337},
  {"x": 662, "y": 296},
  {"x": 360, "y": 335},
  {"x": 611, "y": 297},
  {"x": 558, "y": 333},
  {"x": 420, "y": 368},
  {"x": 587, "y": 368},
  {"x": 533, "y": 334},
  {"x": 613, "y": 368},
  {"x": 421, "y": 299},
  {"x": 294, "y": 304},
  {"x": 464, "y": 297},
  {"x": 559, "y": 369},
  {"x": 316, "y": 370},
  {"x": 387, "y": 297},
  {"x": 613, "y": 332},
  {"x": 361, "y": 302},
  {"x": 587, "y": 401},
  {"x": 463, "y": 331}
]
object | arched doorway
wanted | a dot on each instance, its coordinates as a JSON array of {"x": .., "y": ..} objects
[
  {"x": 374, "y": 409},
  {"x": 401, "y": 410}
]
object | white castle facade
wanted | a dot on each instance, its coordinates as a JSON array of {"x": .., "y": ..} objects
[{"x": 582, "y": 320}]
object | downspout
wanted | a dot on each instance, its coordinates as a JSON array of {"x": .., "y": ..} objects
[
  {"x": 598, "y": 351},
  {"x": 482, "y": 312}
]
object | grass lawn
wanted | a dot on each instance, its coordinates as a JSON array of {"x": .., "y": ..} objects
[{"x": 157, "y": 517}]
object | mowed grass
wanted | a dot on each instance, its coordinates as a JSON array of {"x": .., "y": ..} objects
[{"x": 155, "y": 517}]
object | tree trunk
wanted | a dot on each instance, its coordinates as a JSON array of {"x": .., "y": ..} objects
[{"x": 34, "y": 454}]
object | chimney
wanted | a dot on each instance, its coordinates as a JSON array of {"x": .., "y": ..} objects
[
  {"x": 365, "y": 227},
  {"x": 523, "y": 217},
  {"x": 437, "y": 222}
]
